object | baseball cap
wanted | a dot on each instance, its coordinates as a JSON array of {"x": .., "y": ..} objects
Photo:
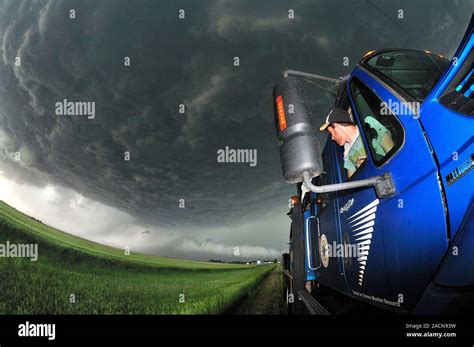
[{"x": 337, "y": 115}]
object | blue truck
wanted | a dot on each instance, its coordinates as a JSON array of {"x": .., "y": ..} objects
[{"x": 398, "y": 233}]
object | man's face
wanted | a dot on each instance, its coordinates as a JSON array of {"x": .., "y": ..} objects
[{"x": 337, "y": 133}]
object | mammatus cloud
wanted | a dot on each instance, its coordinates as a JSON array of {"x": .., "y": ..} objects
[{"x": 172, "y": 155}]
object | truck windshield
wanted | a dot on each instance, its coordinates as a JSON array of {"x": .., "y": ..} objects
[{"x": 416, "y": 72}]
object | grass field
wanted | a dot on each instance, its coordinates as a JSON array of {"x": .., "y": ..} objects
[{"x": 103, "y": 280}]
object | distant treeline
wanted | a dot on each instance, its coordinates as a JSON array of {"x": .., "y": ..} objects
[{"x": 243, "y": 262}]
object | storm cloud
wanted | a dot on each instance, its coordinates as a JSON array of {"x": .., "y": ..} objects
[{"x": 47, "y": 56}]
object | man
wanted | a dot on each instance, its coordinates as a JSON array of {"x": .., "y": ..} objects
[{"x": 345, "y": 133}]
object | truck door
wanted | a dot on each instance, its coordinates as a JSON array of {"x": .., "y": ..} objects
[
  {"x": 447, "y": 114},
  {"x": 398, "y": 241}
]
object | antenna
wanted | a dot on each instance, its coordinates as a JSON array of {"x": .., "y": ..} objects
[
  {"x": 306, "y": 76},
  {"x": 320, "y": 87},
  {"x": 406, "y": 32}
]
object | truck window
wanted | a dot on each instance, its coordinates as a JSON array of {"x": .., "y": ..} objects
[
  {"x": 352, "y": 156},
  {"x": 382, "y": 130},
  {"x": 459, "y": 94},
  {"x": 415, "y": 72}
]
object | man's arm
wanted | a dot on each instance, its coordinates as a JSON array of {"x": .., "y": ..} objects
[{"x": 350, "y": 167}]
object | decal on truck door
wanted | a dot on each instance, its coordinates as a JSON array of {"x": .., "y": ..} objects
[
  {"x": 362, "y": 225},
  {"x": 324, "y": 250}
]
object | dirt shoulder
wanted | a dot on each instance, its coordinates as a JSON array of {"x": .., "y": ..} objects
[{"x": 266, "y": 298}]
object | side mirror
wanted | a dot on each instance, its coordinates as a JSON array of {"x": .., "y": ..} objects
[{"x": 300, "y": 150}]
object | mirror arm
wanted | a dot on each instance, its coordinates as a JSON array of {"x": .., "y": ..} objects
[{"x": 383, "y": 185}]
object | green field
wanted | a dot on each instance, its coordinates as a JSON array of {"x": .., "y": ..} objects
[{"x": 103, "y": 280}]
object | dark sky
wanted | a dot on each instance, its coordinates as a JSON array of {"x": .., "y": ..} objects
[{"x": 173, "y": 61}]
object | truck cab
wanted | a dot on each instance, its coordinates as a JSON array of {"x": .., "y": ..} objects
[{"x": 407, "y": 251}]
